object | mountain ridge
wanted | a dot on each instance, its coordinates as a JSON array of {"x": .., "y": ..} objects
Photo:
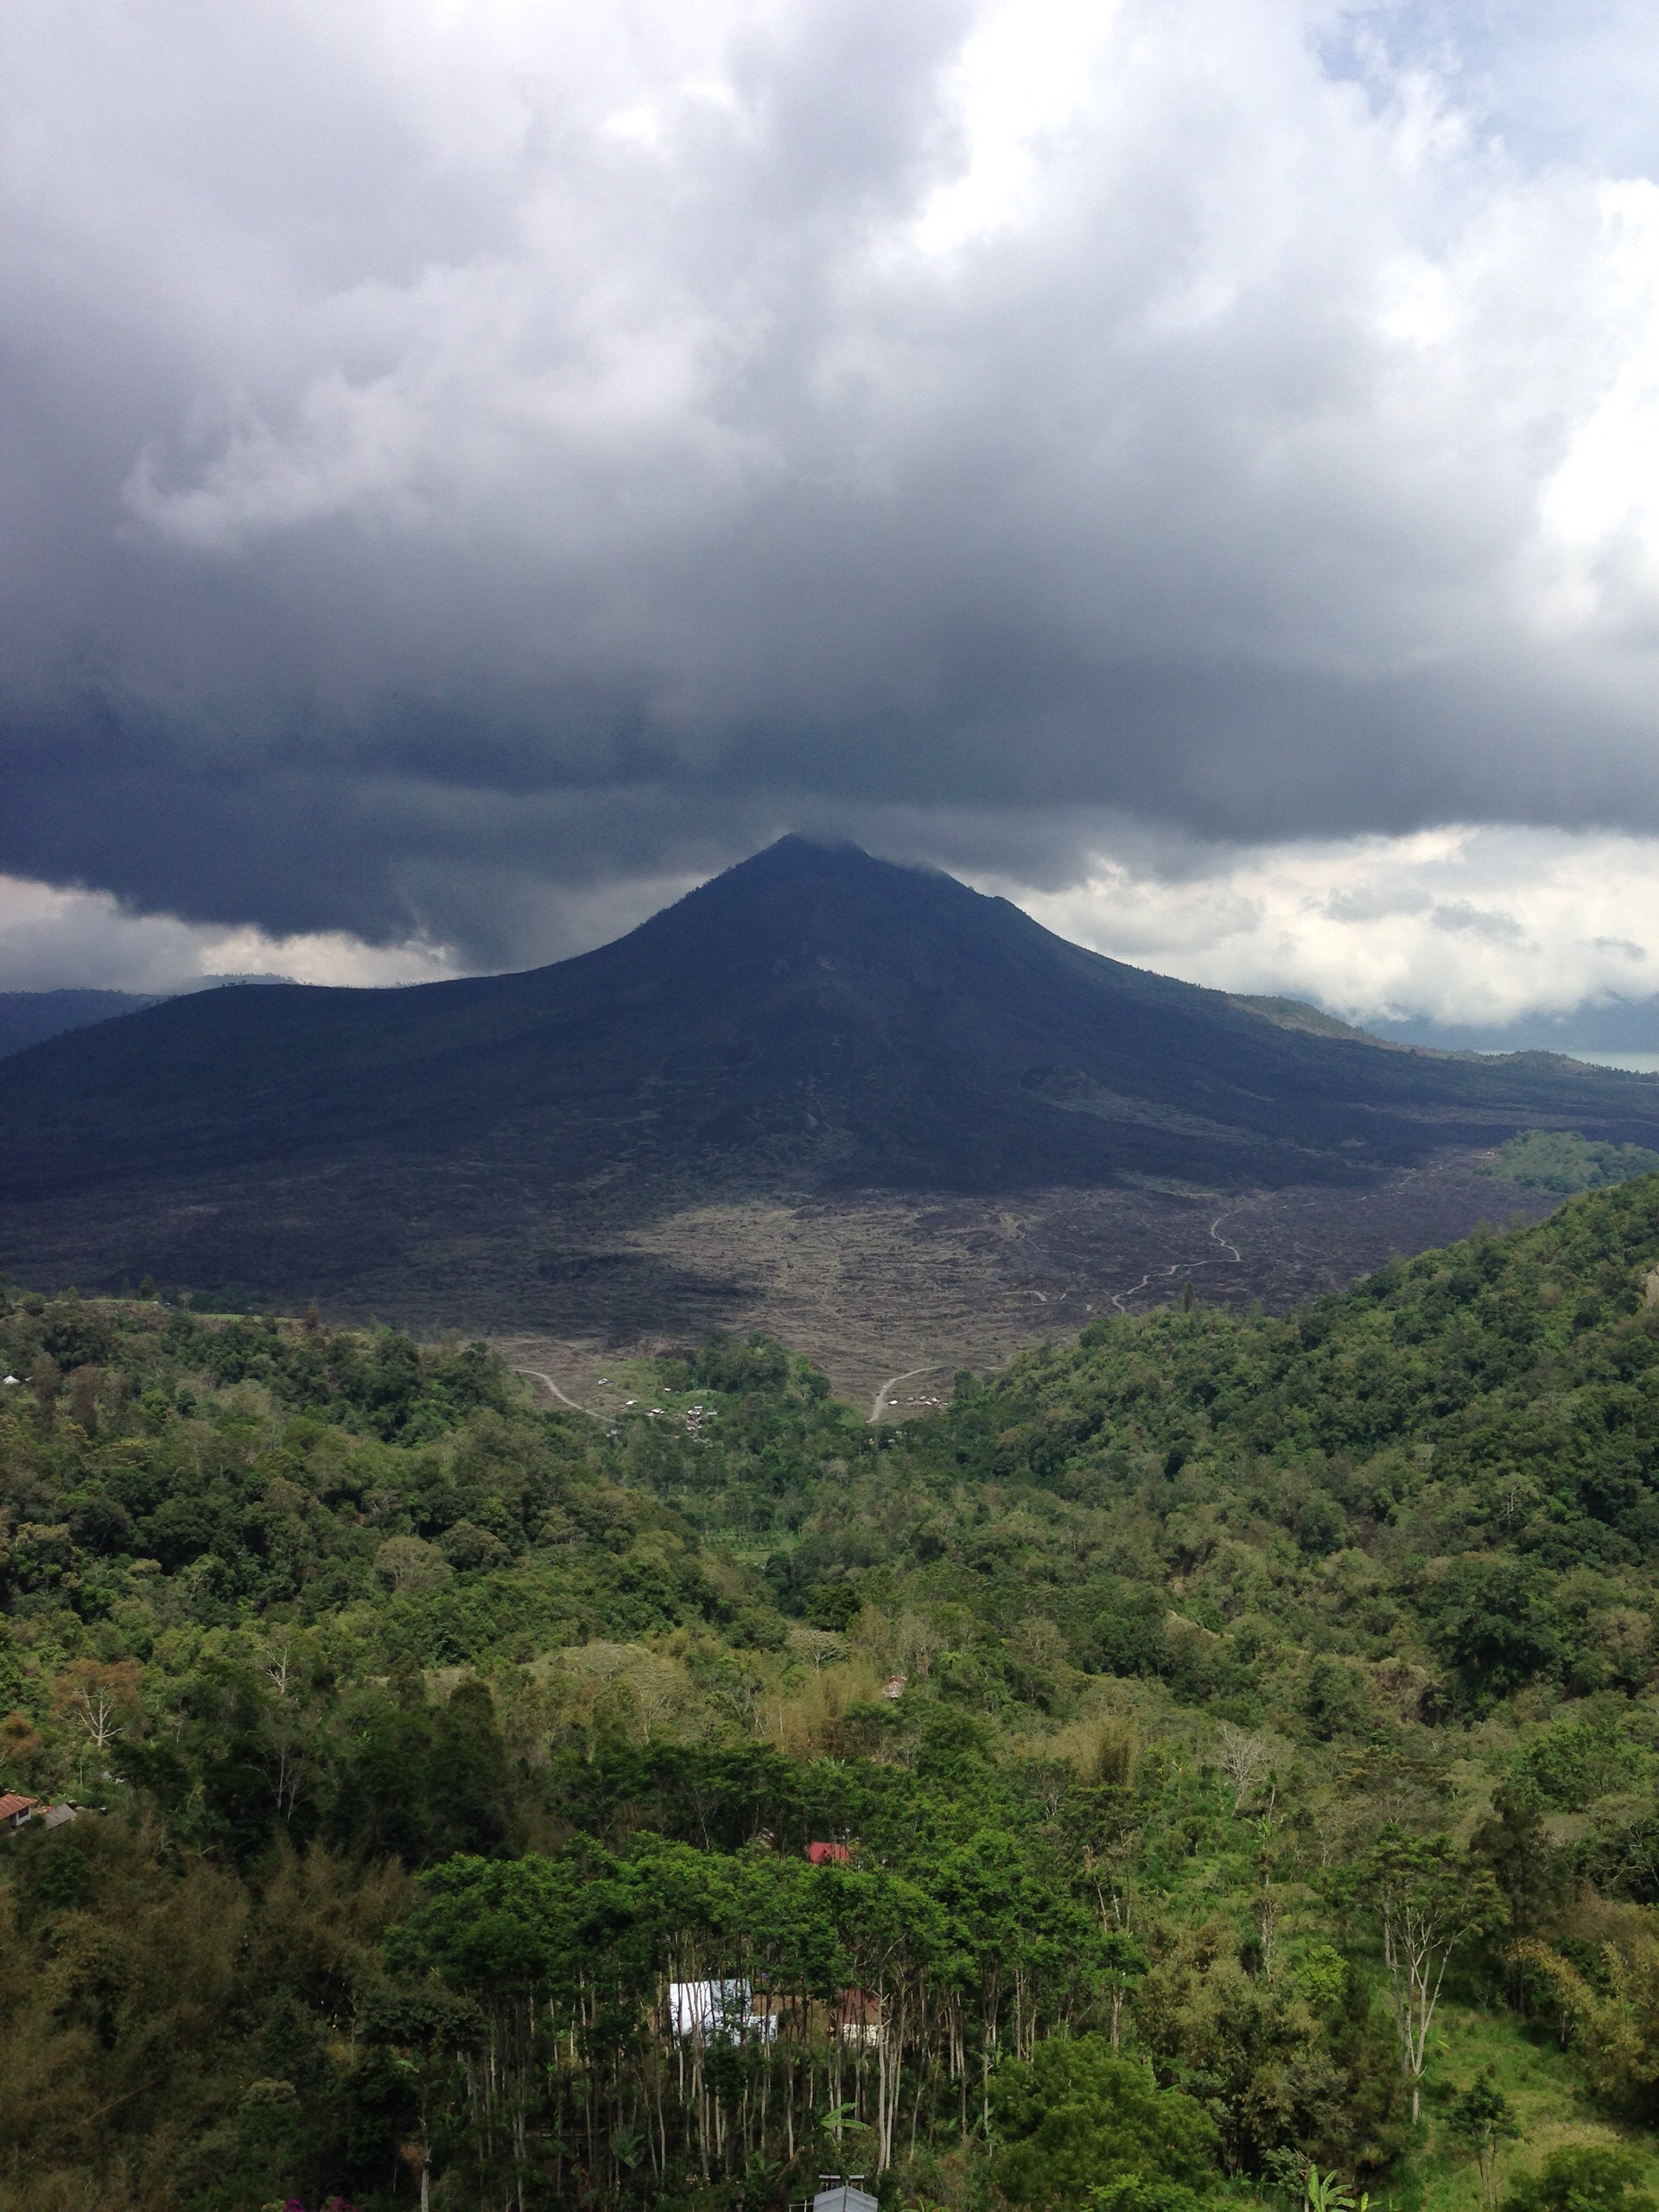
[
  {"x": 29, "y": 1018},
  {"x": 813, "y": 1023}
]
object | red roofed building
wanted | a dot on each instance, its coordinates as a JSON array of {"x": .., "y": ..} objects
[
  {"x": 14, "y": 1810},
  {"x": 829, "y": 1854}
]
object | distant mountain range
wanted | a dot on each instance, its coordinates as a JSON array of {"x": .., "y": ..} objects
[
  {"x": 812, "y": 1022},
  {"x": 30, "y": 1017},
  {"x": 1613, "y": 1030}
]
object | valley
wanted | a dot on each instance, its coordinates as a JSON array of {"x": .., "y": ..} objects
[
  {"x": 869, "y": 1285},
  {"x": 385, "y": 1755}
]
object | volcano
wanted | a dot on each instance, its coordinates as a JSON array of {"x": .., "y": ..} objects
[{"x": 813, "y": 1022}]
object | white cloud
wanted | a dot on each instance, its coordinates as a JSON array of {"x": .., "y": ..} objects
[
  {"x": 69, "y": 940},
  {"x": 1462, "y": 925}
]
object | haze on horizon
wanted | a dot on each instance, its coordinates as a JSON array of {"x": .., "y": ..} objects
[{"x": 471, "y": 471}]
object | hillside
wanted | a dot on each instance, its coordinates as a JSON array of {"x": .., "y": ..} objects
[
  {"x": 519, "y": 1152},
  {"x": 435, "y": 1733},
  {"x": 30, "y": 1017}
]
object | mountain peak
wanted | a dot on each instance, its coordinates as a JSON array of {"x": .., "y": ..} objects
[
  {"x": 815, "y": 1020},
  {"x": 803, "y": 895},
  {"x": 800, "y": 857}
]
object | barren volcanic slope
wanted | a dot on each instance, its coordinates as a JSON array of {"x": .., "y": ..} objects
[{"x": 814, "y": 1028}]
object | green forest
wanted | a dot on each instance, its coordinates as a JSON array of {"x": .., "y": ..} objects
[
  {"x": 1560, "y": 1160},
  {"x": 1214, "y": 1762}
]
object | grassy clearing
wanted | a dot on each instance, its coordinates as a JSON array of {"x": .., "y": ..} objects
[{"x": 1551, "y": 2109}]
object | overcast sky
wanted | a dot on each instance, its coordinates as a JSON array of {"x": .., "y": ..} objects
[{"x": 469, "y": 471}]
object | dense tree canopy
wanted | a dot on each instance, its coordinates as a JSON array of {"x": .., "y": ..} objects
[{"x": 449, "y": 1768}]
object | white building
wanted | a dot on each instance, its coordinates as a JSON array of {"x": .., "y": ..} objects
[{"x": 717, "y": 2012}]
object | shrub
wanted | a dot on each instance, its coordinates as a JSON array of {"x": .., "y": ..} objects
[{"x": 1074, "y": 2117}]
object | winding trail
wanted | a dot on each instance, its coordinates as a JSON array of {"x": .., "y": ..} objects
[
  {"x": 536, "y": 1376},
  {"x": 1229, "y": 1256},
  {"x": 892, "y": 1382}
]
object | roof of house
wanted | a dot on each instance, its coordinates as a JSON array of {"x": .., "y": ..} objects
[
  {"x": 843, "y": 2197},
  {"x": 828, "y": 1854},
  {"x": 12, "y": 1806}
]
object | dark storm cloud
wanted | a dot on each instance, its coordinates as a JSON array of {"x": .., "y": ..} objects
[{"x": 448, "y": 453}]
